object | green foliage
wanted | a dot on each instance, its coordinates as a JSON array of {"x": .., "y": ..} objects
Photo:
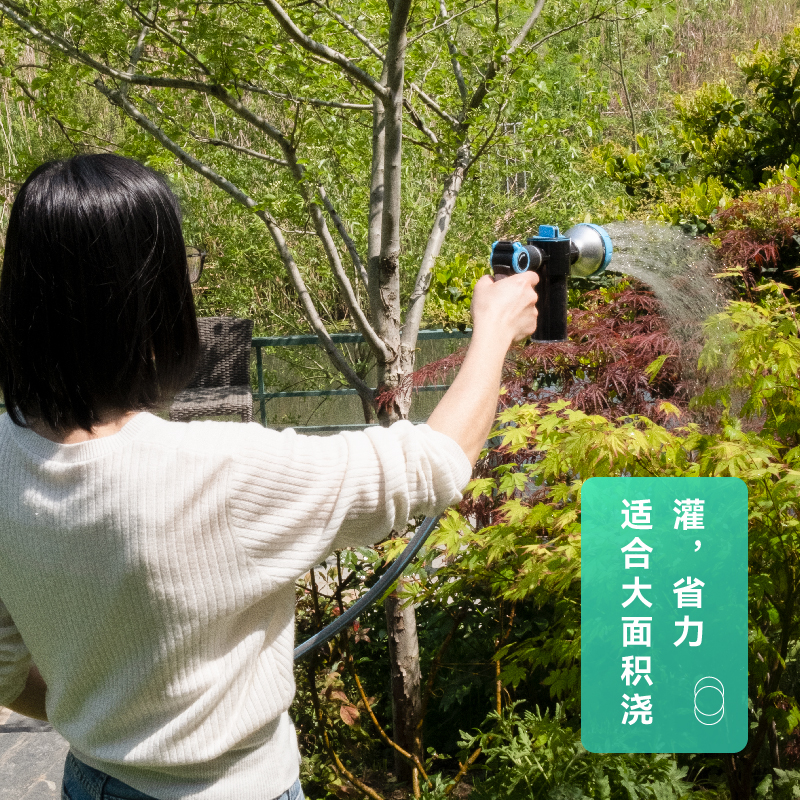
[
  {"x": 694, "y": 209},
  {"x": 756, "y": 351},
  {"x": 644, "y": 173},
  {"x": 739, "y": 138},
  {"x": 725, "y": 141},
  {"x": 659, "y": 184},
  {"x": 450, "y": 293},
  {"x": 530, "y": 494},
  {"x": 721, "y": 133},
  {"x": 540, "y": 756},
  {"x": 783, "y": 785}
]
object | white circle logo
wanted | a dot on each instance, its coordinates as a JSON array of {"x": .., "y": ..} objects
[{"x": 709, "y": 700}]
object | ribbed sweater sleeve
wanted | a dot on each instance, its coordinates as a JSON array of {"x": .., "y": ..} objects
[
  {"x": 294, "y": 499},
  {"x": 15, "y": 660}
]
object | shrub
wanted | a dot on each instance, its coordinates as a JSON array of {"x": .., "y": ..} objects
[{"x": 758, "y": 233}]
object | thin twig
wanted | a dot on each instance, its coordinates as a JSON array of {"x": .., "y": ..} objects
[
  {"x": 315, "y": 599},
  {"x": 411, "y": 757},
  {"x": 449, "y": 19},
  {"x": 340, "y": 768},
  {"x": 592, "y": 18},
  {"x": 352, "y": 29},
  {"x": 437, "y": 662},
  {"x": 463, "y": 771},
  {"x": 625, "y": 88},
  {"x": 239, "y": 149}
]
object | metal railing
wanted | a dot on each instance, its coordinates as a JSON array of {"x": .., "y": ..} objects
[{"x": 261, "y": 396}]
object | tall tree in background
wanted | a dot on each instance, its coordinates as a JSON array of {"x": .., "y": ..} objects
[
  {"x": 224, "y": 86},
  {"x": 304, "y": 114}
]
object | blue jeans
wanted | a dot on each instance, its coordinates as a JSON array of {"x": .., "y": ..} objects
[{"x": 82, "y": 782}]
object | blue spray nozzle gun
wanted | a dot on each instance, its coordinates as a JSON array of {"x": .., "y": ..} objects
[{"x": 584, "y": 251}]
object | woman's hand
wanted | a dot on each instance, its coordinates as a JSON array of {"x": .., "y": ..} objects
[
  {"x": 507, "y": 307},
  {"x": 31, "y": 701}
]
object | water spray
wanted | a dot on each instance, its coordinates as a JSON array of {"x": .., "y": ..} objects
[{"x": 584, "y": 251}]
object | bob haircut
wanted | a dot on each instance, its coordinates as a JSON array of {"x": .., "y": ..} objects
[{"x": 96, "y": 309}]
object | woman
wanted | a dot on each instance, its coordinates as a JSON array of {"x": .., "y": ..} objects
[{"x": 148, "y": 567}]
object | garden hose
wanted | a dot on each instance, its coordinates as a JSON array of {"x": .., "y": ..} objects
[{"x": 375, "y": 593}]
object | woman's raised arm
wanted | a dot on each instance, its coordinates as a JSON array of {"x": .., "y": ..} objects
[{"x": 503, "y": 312}]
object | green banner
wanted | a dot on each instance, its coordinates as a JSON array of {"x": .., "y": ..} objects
[{"x": 664, "y": 615}]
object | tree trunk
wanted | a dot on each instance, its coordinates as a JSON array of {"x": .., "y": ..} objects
[
  {"x": 406, "y": 695},
  {"x": 739, "y": 774},
  {"x": 394, "y": 382}
]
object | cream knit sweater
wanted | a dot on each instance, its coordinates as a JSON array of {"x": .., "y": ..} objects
[{"x": 150, "y": 577}]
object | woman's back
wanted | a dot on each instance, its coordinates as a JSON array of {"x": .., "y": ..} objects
[
  {"x": 147, "y": 567},
  {"x": 152, "y": 575}
]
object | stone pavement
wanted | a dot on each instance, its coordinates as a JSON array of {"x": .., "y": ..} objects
[{"x": 31, "y": 758}]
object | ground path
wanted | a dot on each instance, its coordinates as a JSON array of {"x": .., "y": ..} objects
[{"x": 31, "y": 758}]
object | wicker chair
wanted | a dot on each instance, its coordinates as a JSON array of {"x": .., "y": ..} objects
[{"x": 221, "y": 384}]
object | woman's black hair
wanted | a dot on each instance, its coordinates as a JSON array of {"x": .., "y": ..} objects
[{"x": 96, "y": 309}]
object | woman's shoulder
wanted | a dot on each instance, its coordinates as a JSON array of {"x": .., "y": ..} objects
[{"x": 206, "y": 435}]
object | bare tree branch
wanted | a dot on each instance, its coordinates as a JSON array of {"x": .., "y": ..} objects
[
  {"x": 441, "y": 223},
  {"x": 215, "y": 141},
  {"x": 331, "y": 252},
  {"x": 434, "y": 106},
  {"x": 352, "y": 29},
  {"x": 239, "y": 149},
  {"x": 594, "y": 16},
  {"x": 451, "y": 46},
  {"x": 420, "y": 123},
  {"x": 254, "y": 119},
  {"x": 348, "y": 241},
  {"x": 526, "y": 28},
  {"x": 323, "y": 51},
  {"x": 321, "y": 227},
  {"x": 317, "y": 325},
  {"x": 311, "y": 101},
  {"x": 490, "y": 73},
  {"x": 138, "y": 48},
  {"x": 444, "y": 213}
]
